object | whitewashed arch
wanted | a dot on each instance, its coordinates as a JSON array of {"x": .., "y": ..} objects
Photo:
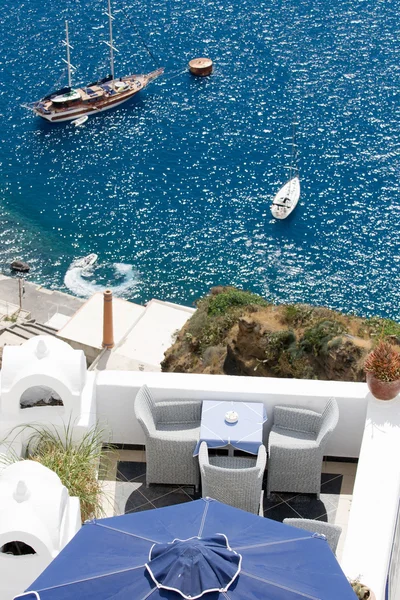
[
  {"x": 40, "y": 393},
  {"x": 43, "y": 361}
]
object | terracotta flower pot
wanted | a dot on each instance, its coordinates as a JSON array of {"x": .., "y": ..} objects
[
  {"x": 383, "y": 390},
  {"x": 371, "y": 593}
]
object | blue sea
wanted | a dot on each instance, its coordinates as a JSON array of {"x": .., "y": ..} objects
[{"x": 172, "y": 190}]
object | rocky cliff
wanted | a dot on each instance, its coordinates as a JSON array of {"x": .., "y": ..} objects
[{"x": 239, "y": 333}]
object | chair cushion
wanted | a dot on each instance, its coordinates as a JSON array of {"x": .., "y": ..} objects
[
  {"x": 187, "y": 431},
  {"x": 288, "y": 438}
]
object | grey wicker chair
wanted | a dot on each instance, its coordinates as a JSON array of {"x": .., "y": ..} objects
[
  {"x": 236, "y": 481},
  {"x": 172, "y": 430},
  {"x": 296, "y": 448},
  {"x": 331, "y": 532}
]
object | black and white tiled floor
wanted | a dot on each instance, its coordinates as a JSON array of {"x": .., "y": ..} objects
[{"x": 126, "y": 493}]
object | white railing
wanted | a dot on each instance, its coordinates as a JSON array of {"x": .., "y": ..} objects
[{"x": 8, "y": 311}]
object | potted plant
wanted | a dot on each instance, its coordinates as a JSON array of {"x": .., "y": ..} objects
[
  {"x": 362, "y": 591},
  {"x": 382, "y": 366}
]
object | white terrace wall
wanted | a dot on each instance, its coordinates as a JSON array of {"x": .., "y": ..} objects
[
  {"x": 116, "y": 391},
  {"x": 371, "y": 547}
]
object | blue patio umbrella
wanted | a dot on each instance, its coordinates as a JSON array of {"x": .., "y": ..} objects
[{"x": 202, "y": 549}]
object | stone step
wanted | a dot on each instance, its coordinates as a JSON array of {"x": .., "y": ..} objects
[
  {"x": 17, "y": 333},
  {"x": 39, "y": 328}
]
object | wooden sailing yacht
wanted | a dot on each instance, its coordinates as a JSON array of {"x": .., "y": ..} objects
[
  {"x": 70, "y": 103},
  {"x": 285, "y": 201}
]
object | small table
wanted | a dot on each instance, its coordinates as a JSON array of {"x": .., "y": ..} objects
[{"x": 245, "y": 434}]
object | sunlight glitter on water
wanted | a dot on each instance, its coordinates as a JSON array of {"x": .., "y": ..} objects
[{"x": 178, "y": 183}]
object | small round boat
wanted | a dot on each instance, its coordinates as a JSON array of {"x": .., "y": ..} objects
[
  {"x": 201, "y": 66},
  {"x": 80, "y": 121}
]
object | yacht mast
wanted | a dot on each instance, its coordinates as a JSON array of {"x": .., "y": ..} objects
[
  {"x": 68, "y": 61},
  {"x": 110, "y": 43},
  {"x": 293, "y": 165}
]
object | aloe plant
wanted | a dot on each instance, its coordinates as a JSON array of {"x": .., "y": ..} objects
[{"x": 383, "y": 362}]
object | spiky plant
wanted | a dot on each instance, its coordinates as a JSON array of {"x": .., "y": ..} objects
[
  {"x": 383, "y": 362},
  {"x": 362, "y": 591},
  {"x": 78, "y": 464}
]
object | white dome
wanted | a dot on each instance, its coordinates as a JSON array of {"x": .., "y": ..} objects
[{"x": 32, "y": 500}]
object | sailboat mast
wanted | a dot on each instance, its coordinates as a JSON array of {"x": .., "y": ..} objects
[
  {"x": 110, "y": 19},
  {"x": 293, "y": 165},
  {"x": 68, "y": 61},
  {"x": 292, "y": 157}
]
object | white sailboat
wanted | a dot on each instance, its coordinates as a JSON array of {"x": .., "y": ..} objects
[
  {"x": 285, "y": 201},
  {"x": 70, "y": 104}
]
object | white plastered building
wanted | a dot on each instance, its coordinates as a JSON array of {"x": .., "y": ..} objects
[
  {"x": 45, "y": 367},
  {"x": 37, "y": 519}
]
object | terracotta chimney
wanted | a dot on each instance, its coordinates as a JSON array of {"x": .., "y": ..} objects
[{"x": 108, "y": 329}]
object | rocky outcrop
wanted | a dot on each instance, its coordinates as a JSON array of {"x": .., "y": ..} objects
[{"x": 237, "y": 333}]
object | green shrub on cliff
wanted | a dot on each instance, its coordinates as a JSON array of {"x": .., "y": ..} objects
[
  {"x": 376, "y": 326},
  {"x": 296, "y": 315},
  {"x": 220, "y": 303},
  {"x": 216, "y": 314},
  {"x": 277, "y": 342},
  {"x": 293, "y": 364},
  {"x": 316, "y": 339}
]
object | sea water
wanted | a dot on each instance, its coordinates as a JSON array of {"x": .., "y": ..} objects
[{"x": 172, "y": 190}]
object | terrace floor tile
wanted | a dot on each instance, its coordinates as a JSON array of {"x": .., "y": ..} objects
[
  {"x": 280, "y": 511},
  {"x": 135, "y": 500},
  {"x": 155, "y": 491},
  {"x": 147, "y": 506},
  {"x": 176, "y": 497},
  {"x": 309, "y": 506},
  {"x": 129, "y": 471}
]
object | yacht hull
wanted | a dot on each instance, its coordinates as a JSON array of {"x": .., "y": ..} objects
[
  {"x": 285, "y": 201},
  {"x": 56, "y": 114}
]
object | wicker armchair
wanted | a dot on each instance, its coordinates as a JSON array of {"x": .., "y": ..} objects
[
  {"x": 296, "y": 448},
  {"x": 172, "y": 430},
  {"x": 236, "y": 481},
  {"x": 331, "y": 532}
]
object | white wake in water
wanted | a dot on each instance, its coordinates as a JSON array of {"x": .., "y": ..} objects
[{"x": 82, "y": 282}]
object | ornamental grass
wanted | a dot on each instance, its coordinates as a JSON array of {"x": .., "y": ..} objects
[
  {"x": 79, "y": 464},
  {"x": 383, "y": 362}
]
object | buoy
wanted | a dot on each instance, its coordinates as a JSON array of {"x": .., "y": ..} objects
[{"x": 201, "y": 66}]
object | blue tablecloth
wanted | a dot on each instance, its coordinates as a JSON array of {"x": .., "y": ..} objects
[{"x": 245, "y": 434}]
